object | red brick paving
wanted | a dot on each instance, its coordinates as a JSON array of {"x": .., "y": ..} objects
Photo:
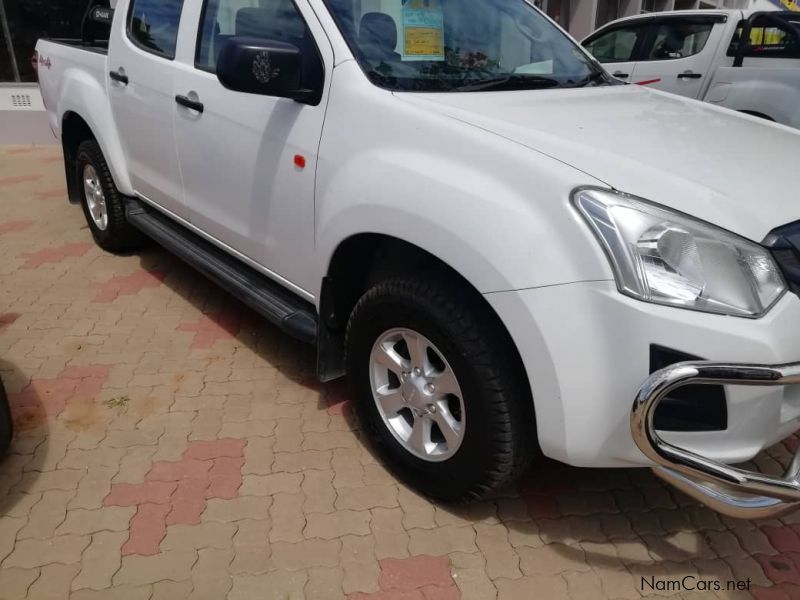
[
  {"x": 26, "y": 150},
  {"x": 14, "y": 226},
  {"x": 59, "y": 193},
  {"x": 415, "y": 578},
  {"x": 779, "y": 569},
  {"x": 128, "y": 285},
  {"x": 212, "y": 327},
  {"x": 783, "y": 539},
  {"x": 175, "y": 492},
  {"x": 147, "y": 529},
  {"x": 44, "y": 399},
  {"x": 133, "y": 494},
  {"x": 8, "y": 181},
  {"x": 55, "y": 254},
  {"x": 258, "y": 476}
]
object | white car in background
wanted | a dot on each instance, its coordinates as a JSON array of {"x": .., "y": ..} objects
[{"x": 699, "y": 54}]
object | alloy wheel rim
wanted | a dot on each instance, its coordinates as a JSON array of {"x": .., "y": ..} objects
[
  {"x": 95, "y": 198},
  {"x": 417, "y": 394}
]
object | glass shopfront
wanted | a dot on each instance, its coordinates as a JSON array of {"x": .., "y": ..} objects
[{"x": 22, "y": 22}]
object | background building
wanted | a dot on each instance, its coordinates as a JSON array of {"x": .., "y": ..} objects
[{"x": 22, "y": 22}]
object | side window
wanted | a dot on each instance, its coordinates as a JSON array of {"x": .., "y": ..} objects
[
  {"x": 153, "y": 25},
  {"x": 616, "y": 45},
  {"x": 276, "y": 20},
  {"x": 679, "y": 40},
  {"x": 767, "y": 40}
]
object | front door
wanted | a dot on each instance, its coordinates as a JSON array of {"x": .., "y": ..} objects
[
  {"x": 248, "y": 161},
  {"x": 142, "y": 67}
]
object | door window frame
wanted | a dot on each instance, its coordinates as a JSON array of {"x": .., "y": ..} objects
[
  {"x": 140, "y": 45},
  {"x": 644, "y": 44},
  {"x": 200, "y": 31},
  {"x": 642, "y": 24},
  {"x": 652, "y": 34},
  {"x": 777, "y": 20}
]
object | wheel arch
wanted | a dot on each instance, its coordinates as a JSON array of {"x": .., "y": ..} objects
[
  {"x": 74, "y": 131},
  {"x": 84, "y": 113},
  {"x": 362, "y": 260}
]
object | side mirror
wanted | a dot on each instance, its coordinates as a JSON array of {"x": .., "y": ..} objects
[{"x": 265, "y": 67}]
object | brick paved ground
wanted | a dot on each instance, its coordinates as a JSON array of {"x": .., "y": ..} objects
[{"x": 172, "y": 445}]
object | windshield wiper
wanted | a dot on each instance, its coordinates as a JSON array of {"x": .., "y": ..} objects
[
  {"x": 596, "y": 77},
  {"x": 514, "y": 82}
]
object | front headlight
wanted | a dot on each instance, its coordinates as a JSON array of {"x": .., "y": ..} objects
[{"x": 665, "y": 257}]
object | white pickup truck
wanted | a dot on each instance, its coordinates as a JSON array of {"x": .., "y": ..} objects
[
  {"x": 700, "y": 54},
  {"x": 505, "y": 249}
]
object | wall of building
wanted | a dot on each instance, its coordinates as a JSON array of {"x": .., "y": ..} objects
[{"x": 24, "y": 22}]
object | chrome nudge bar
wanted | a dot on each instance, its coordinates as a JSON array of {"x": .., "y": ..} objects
[{"x": 729, "y": 490}]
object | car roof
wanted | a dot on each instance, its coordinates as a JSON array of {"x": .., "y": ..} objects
[{"x": 676, "y": 14}]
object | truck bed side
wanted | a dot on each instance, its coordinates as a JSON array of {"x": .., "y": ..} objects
[
  {"x": 760, "y": 91},
  {"x": 73, "y": 79}
]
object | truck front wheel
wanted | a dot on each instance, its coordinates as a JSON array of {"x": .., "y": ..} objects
[
  {"x": 102, "y": 203},
  {"x": 438, "y": 389}
]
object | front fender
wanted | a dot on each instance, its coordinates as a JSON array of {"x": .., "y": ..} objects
[{"x": 479, "y": 223}]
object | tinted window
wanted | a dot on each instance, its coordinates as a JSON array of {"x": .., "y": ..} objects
[
  {"x": 616, "y": 45},
  {"x": 276, "y": 20},
  {"x": 153, "y": 25},
  {"x": 29, "y": 20},
  {"x": 679, "y": 40},
  {"x": 768, "y": 40}
]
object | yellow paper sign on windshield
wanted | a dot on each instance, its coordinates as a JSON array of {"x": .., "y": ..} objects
[{"x": 423, "y": 30}]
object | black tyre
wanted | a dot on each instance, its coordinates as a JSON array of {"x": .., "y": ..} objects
[
  {"x": 102, "y": 202},
  {"x": 6, "y": 424},
  {"x": 439, "y": 387}
]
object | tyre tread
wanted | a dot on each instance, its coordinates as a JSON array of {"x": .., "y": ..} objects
[
  {"x": 120, "y": 237},
  {"x": 487, "y": 348}
]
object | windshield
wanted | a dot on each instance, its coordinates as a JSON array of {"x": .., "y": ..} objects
[{"x": 461, "y": 45}]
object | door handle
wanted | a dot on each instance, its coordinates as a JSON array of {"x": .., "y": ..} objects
[
  {"x": 620, "y": 75},
  {"x": 189, "y": 103},
  {"x": 119, "y": 77},
  {"x": 689, "y": 75}
]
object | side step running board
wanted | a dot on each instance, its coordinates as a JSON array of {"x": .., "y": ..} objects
[{"x": 291, "y": 314}]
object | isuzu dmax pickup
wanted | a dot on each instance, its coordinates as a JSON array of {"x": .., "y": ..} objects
[{"x": 505, "y": 249}]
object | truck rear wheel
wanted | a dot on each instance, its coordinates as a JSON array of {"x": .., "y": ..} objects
[
  {"x": 102, "y": 202},
  {"x": 438, "y": 389}
]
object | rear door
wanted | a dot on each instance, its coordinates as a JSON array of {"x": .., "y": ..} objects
[
  {"x": 618, "y": 46},
  {"x": 141, "y": 64},
  {"x": 679, "y": 52}
]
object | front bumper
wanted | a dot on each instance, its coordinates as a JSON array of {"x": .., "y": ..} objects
[
  {"x": 729, "y": 490},
  {"x": 586, "y": 350}
]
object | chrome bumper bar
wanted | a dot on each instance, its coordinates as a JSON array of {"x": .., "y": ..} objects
[{"x": 729, "y": 490}]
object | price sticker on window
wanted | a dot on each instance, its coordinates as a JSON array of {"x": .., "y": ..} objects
[{"x": 423, "y": 30}]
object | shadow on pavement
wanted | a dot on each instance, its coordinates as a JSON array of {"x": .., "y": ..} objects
[{"x": 29, "y": 447}]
